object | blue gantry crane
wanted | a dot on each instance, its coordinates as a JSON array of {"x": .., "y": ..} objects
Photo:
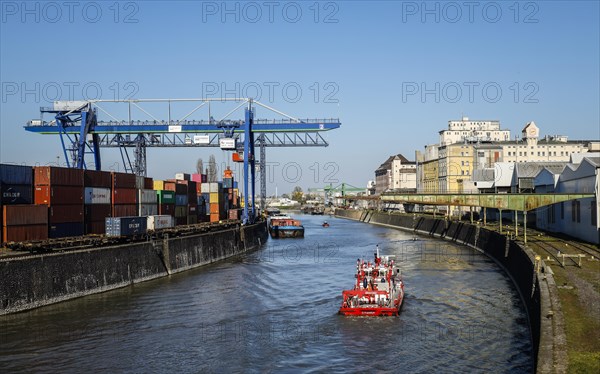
[{"x": 81, "y": 134}]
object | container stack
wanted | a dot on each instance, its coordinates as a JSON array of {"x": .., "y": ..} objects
[
  {"x": 148, "y": 202},
  {"x": 192, "y": 203},
  {"x": 97, "y": 200},
  {"x": 124, "y": 195},
  {"x": 16, "y": 189},
  {"x": 181, "y": 202},
  {"x": 61, "y": 189}
]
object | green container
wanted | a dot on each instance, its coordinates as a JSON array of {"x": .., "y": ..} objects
[{"x": 166, "y": 197}]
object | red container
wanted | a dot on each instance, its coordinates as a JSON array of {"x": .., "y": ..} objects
[
  {"x": 22, "y": 215},
  {"x": 198, "y": 188},
  {"x": 169, "y": 186},
  {"x": 24, "y": 233},
  {"x": 96, "y": 178},
  {"x": 95, "y": 227},
  {"x": 65, "y": 214},
  {"x": 124, "y": 196},
  {"x": 58, "y": 195},
  {"x": 97, "y": 213},
  {"x": 166, "y": 209},
  {"x": 124, "y": 210},
  {"x": 50, "y": 175},
  {"x": 148, "y": 183},
  {"x": 123, "y": 180}
]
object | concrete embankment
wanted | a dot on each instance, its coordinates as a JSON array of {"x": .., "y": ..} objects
[
  {"x": 33, "y": 281},
  {"x": 534, "y": 287}
]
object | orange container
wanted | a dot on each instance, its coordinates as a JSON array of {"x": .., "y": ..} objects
[
  {"x": 214, "y": 208},
  {"x": 214, "y": 217}
]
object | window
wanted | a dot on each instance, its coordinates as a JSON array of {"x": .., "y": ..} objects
[
  {"x": 562, "y": 210},
  {"x": 575, "y": 213}
]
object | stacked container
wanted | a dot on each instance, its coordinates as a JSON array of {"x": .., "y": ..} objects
[
  {"x": 192, "y": 203},
  {"x": 159, "y": 222},
  {"x": 124, "y": 195},
  {"x": 16, "y": 187},
  {"x": 24, "y": 222},
  {"x": 61, "y": 189},
  {"x": 126, "y": 226},
  {"x": 148, "y": 200},
  {"x": 181, "y": 202},
  {"x": 97, "y": 200}
]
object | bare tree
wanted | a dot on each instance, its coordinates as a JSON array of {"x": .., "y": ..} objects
[
  {"x": 212, "y": 169},
  {"x": 200, "y": 166}
]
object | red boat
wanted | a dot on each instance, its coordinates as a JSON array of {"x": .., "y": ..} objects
[{"x": 379, "y": 290}]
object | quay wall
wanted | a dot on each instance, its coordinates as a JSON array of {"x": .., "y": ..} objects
[
  {"x": 535, "y": 288},
  {"x": 32, "y": 281}
]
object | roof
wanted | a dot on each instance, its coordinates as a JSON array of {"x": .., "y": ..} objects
[
  {"x": 387, "y": 165},
  {"x": 586, "y": 168},
  {"x": 576, "y": 158},
  {"x": 532, "y": 169},
  {"x": 528, "y": 125}
]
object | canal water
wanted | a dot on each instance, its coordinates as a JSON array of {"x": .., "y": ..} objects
[{"x": 275, "y": 310}]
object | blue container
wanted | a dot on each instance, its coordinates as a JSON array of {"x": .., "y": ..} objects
[
  {"x": 201, "y": 200},
  {"x": 181, "y": 200},
  {"x": 206, "y": 197},
  {"x": 235, "y": 184},
  {"x": 16, "y": 194},
  {"x": 126, "y": 226},
  {"x": 63, "y": 230},
  {"x": 16, "y": 174},
  {"x": 227, "y": 182}
]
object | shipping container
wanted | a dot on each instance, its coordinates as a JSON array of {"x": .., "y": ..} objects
[
  {"x": 197, "y": 178},
  {"x": 181, "y": 200},
  {"x": 181, "y": 189},
  {"x": 234, "y": 214},
  {"x": 96, "y": 227},
  {"x": 170, "y": 186},
  {"x": 192, "y": 210},
  {"x": 147, "y": 197},
  {"x": 235, "y": 184},
  {"x": 192, "y": 192},
  {"x": 156, "y": 222},
  {"x": 96, "y": 213},
  {"x": 97, "y": 178},
  {"x": 124, "y": 196},
  {"x": 200, "y": 200},
  {"x": 166, "y": 197},
  {"x": 215, "y": 187},
  {"x": 124, "y": 210},
  {"x": 179, "y": 221},
  {"x": 123, "y": 180},
  {"x": 96, "y": 195},
  {"x": 214, "y": 217},
  {"x": 181, "y": 211},
  {"x": 126, "y": 226},
  {"x": 198, "y": 187},
  {"x": 22, "y": 215},
  {"x": 11, "y": 194},
  {"x": 214, "y": 208},
  {"x": 166, "y": 209},
  {"x": 148, "y": 183},
  {"x": 16, "y": 174},
  {"x": 158, "y": 185},
  {"x": 65, "y": 214},
  {"x": 192, "y": 220},
  {"x": 148, "y": 210},
  {"x": 214, "y": 197},
  {"x": 139, "y": 182},
  {"x": 227, "y": 182},
  {"x": 58, "y": 195},
  {"x": 24, "y": 233},
  {"x": 205, "y": 187},
  {"x": 182, "y": 176},
  {"x": 63, "y": 230},
  {"x": 55, "y": 176}
]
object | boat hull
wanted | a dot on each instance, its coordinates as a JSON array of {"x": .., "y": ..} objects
[{"x": 278, "y": 232}]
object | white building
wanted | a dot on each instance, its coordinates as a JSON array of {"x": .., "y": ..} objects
[
  {"x": 465, "y": 130},
  {"x": 396, "y": 173},
  {"x": 576, "y": 218}
]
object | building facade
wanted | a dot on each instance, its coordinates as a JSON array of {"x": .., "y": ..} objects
[{"x": 396, "y": 173}]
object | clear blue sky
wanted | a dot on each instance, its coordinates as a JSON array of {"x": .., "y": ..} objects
[{"x": 543, "y": 56}]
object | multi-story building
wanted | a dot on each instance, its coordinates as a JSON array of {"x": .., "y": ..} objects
[
  {"x": 465, "y": 130},
  {"x": 396, "y": 173}
]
